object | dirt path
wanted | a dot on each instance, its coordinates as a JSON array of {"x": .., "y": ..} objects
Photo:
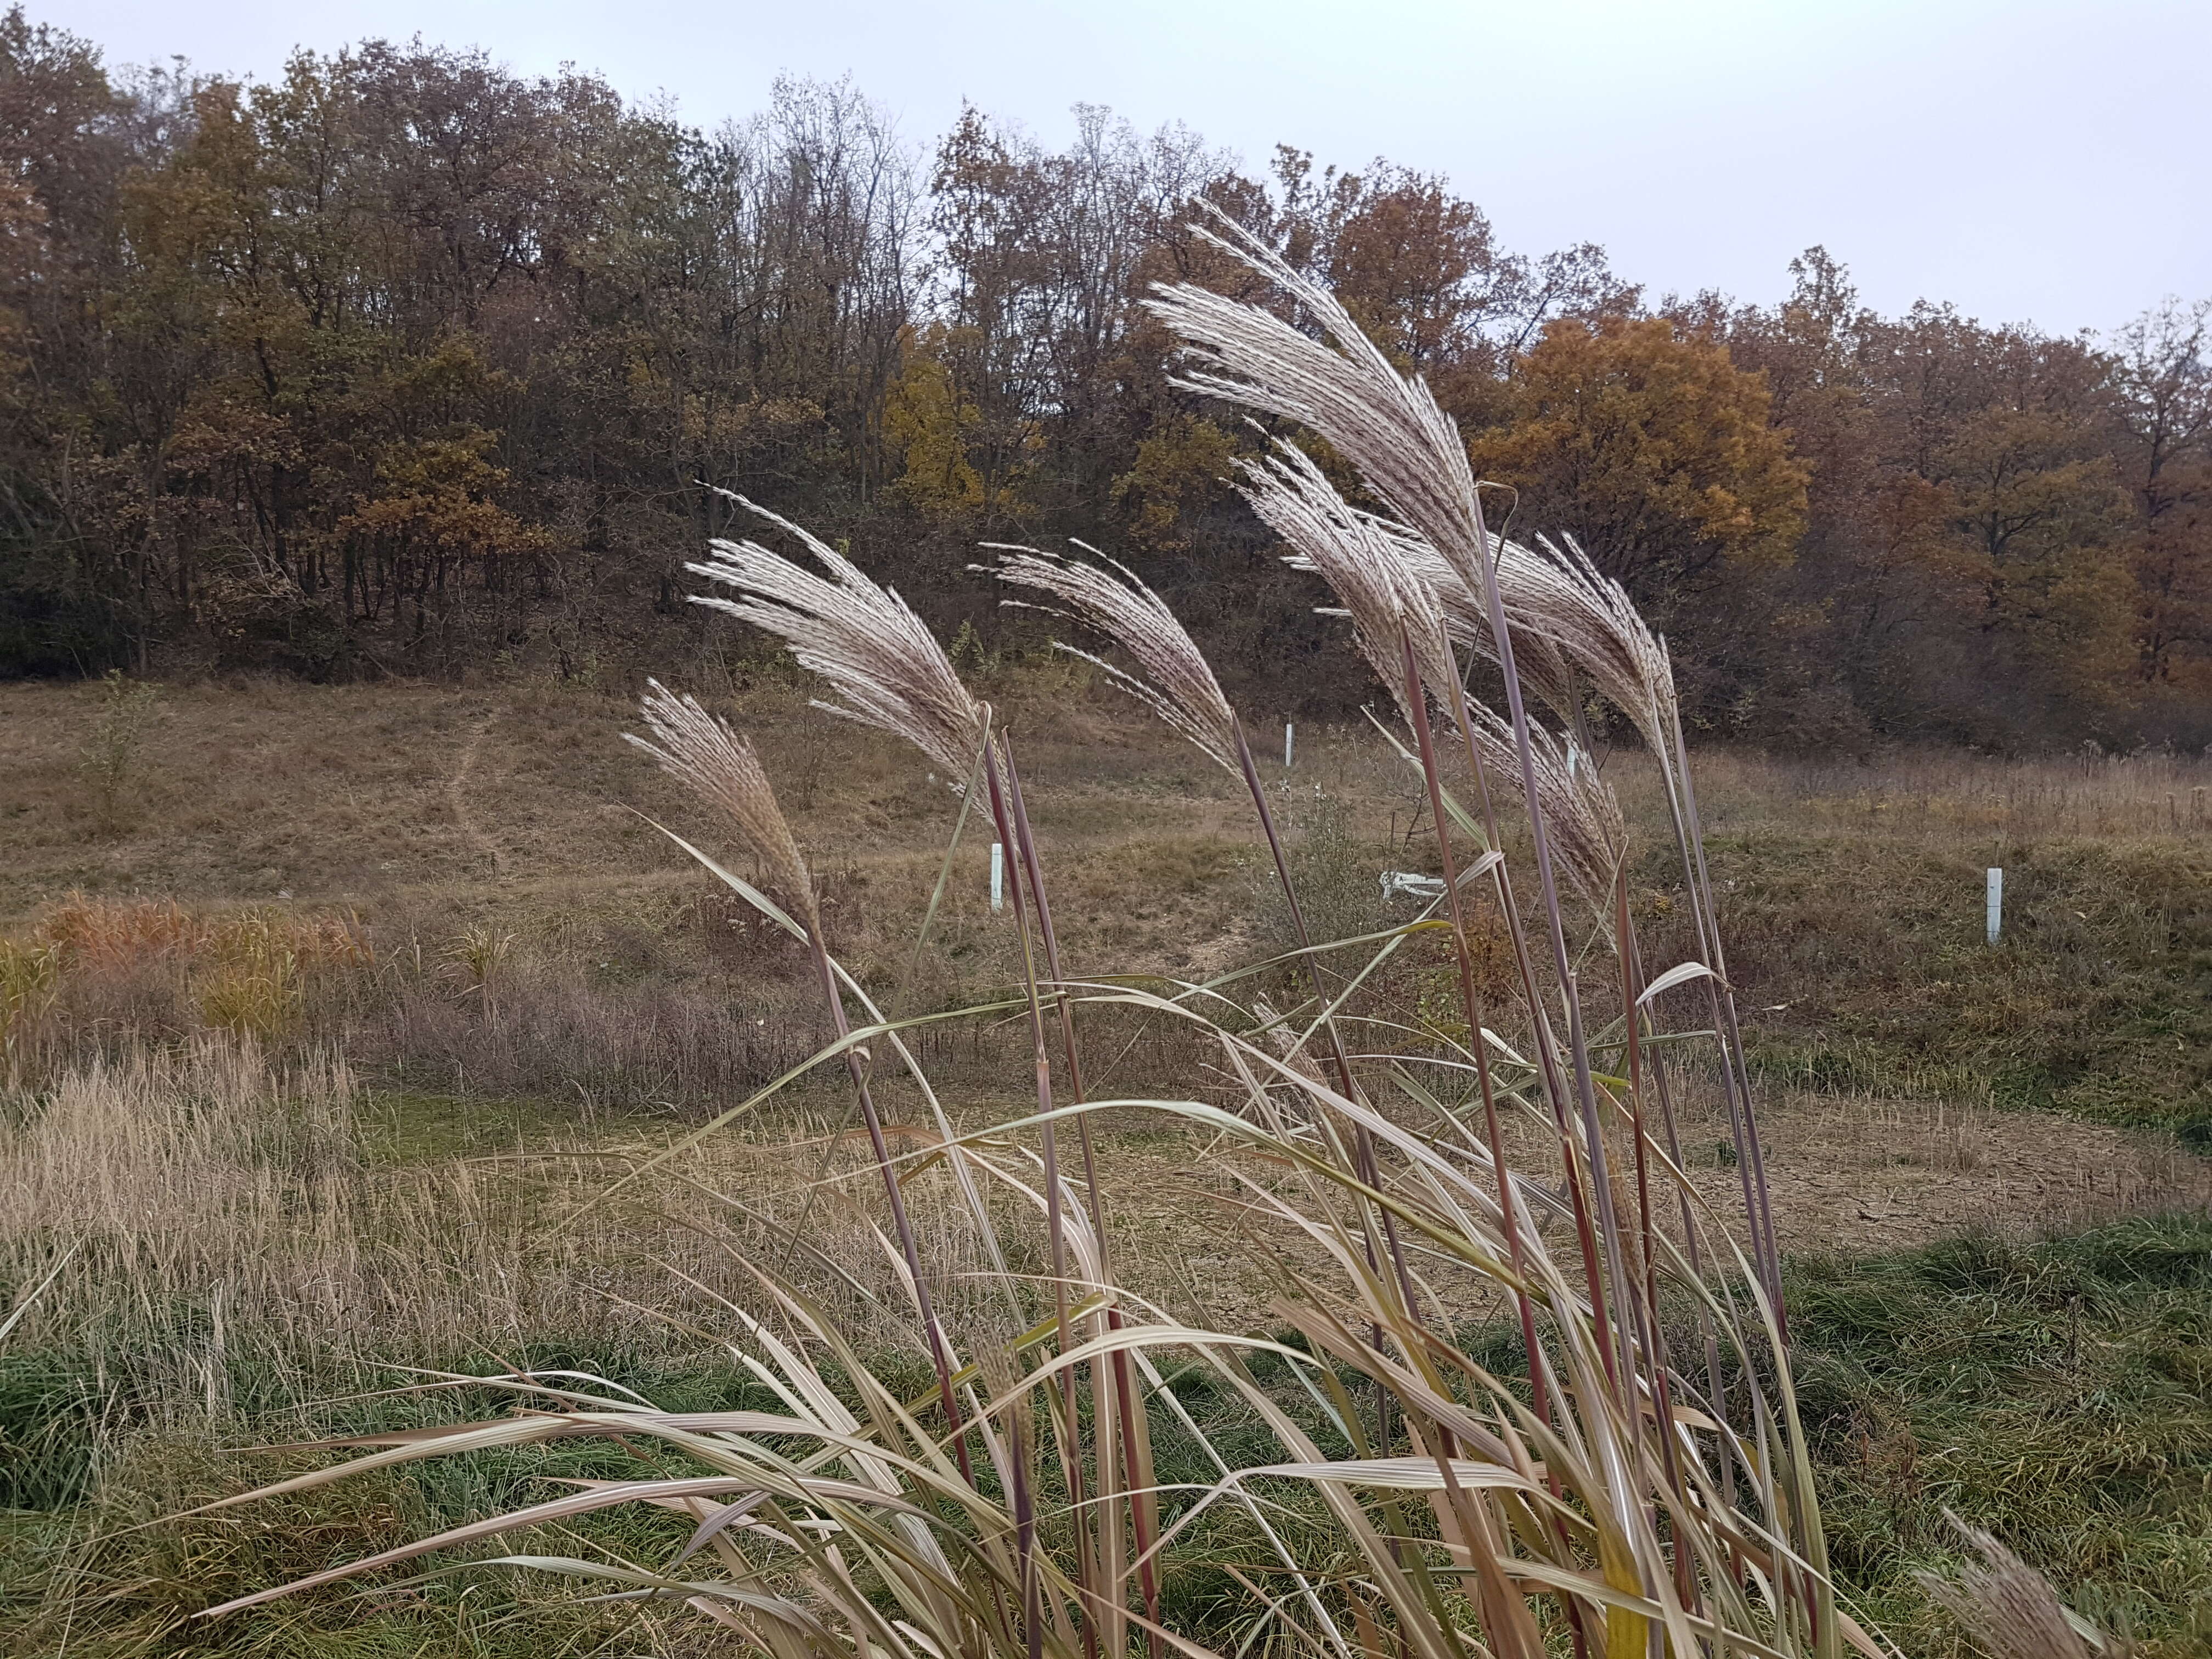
[
  {"x": 1861, "y": 1173},
  {"x": 1847, "y": 1173}
]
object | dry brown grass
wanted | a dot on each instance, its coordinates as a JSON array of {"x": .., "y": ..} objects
[
  {"x": 286, "y": 1204},
  {"x": 266, "y": 1200},
  {"x": 1877, "y": 1172},
  {"x": 257, "y": 1204},
  {"x": 354, "y": 794},
  {"x": 419, "y": 818},
  {"x": 509, "y": 807},
  {"x": 1954, "y": 798}
]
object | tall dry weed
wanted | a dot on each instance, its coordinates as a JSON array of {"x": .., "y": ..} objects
[{"x": 1625, "y": 1490}]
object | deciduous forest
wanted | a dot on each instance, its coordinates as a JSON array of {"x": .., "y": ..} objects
[{"x": 404, "y": 365}]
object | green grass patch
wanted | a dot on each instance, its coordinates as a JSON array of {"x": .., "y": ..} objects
[
  {"x": 72, "y": 1568},
  {"x": 2097, "y": 1001},
  {"x": 2058, "y": 1394},
  {"x": 413, "y": 1126}
]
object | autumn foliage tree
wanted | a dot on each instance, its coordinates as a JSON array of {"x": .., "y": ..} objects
[
  {"x": 398, "y": 363},
  {"x": 1654, "y": 449},
  {"x": 2163, "y": 380}
]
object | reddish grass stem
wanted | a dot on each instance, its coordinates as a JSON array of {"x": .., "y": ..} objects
[
  {"x": 1364, "y": 1163},
  {"x": 1508, "y": 1209},
  {"x": 1137, "y": 1479},
  {"x": 1555, "y": 926},
  {"x": 857, "y": 1064},
  {"x": 1067, "y": 1441}
]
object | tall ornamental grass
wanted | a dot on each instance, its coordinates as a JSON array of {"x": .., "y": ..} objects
[{"x": 1627, "y": 1476}]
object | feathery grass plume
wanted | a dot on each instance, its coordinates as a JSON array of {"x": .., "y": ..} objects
[
  {"x": 1567, "y": 618},
  {"x": 1589, "y": 616},
  {"x": 1578, "y": 618},
  {"x": 1544, "y": 668},
  {"x": 1365, "y": 565},
  {"x": 1564, "y": 616},
  {"x": 1390, "y": 578},
  {"x": 1589, "y": 836},
  {"x": 1189, "y": 698},
  {"x": 876, "y": 654},
  {"x": 2008, "y": 1606},
  {"x": 1179, "y": 687},
  {"x": 1408, "y": 452},
  {"x": 1410, "y": 457},
  {"x": 722, "y": 770},
  {"x": 1398, "y": 626},
  {"x": 1387, "y": 425},
  {"x": 892, "y": 674}
]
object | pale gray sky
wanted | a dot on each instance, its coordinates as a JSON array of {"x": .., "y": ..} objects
[{"x": 2041, "y": 159}]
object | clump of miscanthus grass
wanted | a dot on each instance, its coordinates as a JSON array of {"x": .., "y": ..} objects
[{"x": 1616, "y": 1486}]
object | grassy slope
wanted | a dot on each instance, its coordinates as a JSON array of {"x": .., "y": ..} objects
[
  {"x": 133, "y": 1593},
  {"x": 1854, "y": 895},
  {"x": 2049, "y": 1386},
  {"x": 2097, "y": 1001}
]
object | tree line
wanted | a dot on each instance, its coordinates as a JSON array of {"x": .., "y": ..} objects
[{"x": 401, "y": 363}]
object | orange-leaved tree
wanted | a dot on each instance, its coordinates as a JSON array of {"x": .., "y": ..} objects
[{"x": 1649, "y": 444}]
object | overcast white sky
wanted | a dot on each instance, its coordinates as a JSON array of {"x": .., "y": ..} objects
[{"x": 2041, "y": 159}]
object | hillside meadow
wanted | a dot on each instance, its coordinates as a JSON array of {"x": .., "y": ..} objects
[{"x": 337, "y": 1014}]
